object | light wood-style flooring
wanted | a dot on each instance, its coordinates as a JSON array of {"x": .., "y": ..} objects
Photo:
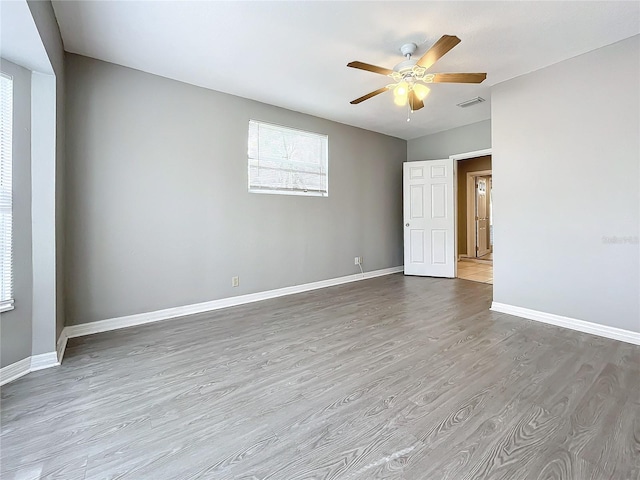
[
  {"x": 394, "y": 377},
  {"x": 476, "y": 272}
]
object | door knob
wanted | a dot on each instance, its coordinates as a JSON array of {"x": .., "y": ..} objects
[{"x": 407, "y": 224}]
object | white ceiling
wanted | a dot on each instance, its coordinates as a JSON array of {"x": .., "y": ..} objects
[
  {"x": 19, "y": 38},
  {"x": 294, "y": 54}
]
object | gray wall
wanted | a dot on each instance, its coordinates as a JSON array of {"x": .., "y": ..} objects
[
  {"x": 566, "y": 161},
  {"x": 43, "y": 211},
  {"x": 469, "y": 138},
  {"x": 158, "y": 211},
  {"x": 15, "y": 325},
  {"x": 53, "y": 273}
]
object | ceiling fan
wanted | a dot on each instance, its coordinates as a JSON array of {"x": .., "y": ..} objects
[{"x": 410, "y": 76}]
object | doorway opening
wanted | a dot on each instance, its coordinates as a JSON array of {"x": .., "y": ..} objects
[
  {"x": 474, "y": 204},
  {"x": 435, "y": 220}
]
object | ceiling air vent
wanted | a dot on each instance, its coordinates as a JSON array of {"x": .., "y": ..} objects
[{"x": 473, "y": 101}]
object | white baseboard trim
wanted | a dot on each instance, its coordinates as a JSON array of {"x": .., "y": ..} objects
[
  {"x": 571, "y": 323},
  {"x": 15, "y": 370},
  {"x": 61, "y": 345},
  {"x": 44, "y": 360},
  {"x": 83, "y": 329},
  {"x": 28, "y": 365}
]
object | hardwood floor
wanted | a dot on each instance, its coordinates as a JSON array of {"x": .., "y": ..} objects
[{"x": 394, "y": 377}]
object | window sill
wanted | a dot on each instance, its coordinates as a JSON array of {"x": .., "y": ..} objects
[
  {"x": 7, "y": 307},
  {"x": 288, "y": 192}
]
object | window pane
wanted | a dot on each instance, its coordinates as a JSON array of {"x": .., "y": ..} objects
[
  {"x": 6, "y": 210},
  {"x": 285, "y": 160}
]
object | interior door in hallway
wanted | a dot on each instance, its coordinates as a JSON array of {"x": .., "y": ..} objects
[
  {"x": 482, "y": 216},
  {"x": 429, "y": 231}
]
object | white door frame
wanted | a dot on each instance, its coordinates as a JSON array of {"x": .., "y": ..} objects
[
  {"x": 456, "y": 157},
  {"x": 471, "y": 209}
]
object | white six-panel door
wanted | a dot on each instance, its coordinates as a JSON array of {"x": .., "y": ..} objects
[{"x": 429, "y": 229}]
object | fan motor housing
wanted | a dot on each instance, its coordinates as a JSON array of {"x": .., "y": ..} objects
[
  {"x": 405, "y": 66},
  {"x": 407, "y": 50}
]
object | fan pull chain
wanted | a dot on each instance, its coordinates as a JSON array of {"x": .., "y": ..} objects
[{"x": 408, "y": 112}]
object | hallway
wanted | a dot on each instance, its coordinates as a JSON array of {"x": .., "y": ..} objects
[{"x": 477, "y": 272}]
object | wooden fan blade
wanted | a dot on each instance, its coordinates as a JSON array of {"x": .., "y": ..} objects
[
  {"x": 370, "y": 68},
  {"x": 459, "y": 77},
  {"x": 414, "y": 102},
  {"x": 369, "y": 95},
  {"x": 442, "y": 46}
]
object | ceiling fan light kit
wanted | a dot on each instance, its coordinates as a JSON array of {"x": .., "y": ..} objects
[{"x": 410, "y": 76}]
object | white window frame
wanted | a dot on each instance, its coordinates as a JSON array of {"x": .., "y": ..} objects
[
  {"x": 6, "y": 196},
  {"x": 324, "y": 161}
]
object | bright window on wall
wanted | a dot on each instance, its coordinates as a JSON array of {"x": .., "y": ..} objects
[
  {"x": 287, "y": 161},
  {"x": 6, "y": 207}
]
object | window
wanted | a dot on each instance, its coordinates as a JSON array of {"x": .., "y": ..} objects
[
  {"x": 6, "y": 208},
  {"x": 287, "y": 161}
]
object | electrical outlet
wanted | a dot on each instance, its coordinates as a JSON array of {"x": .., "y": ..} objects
[
  {"x": 235, "y": 281},
  {"x": 356, "y": 261}
]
